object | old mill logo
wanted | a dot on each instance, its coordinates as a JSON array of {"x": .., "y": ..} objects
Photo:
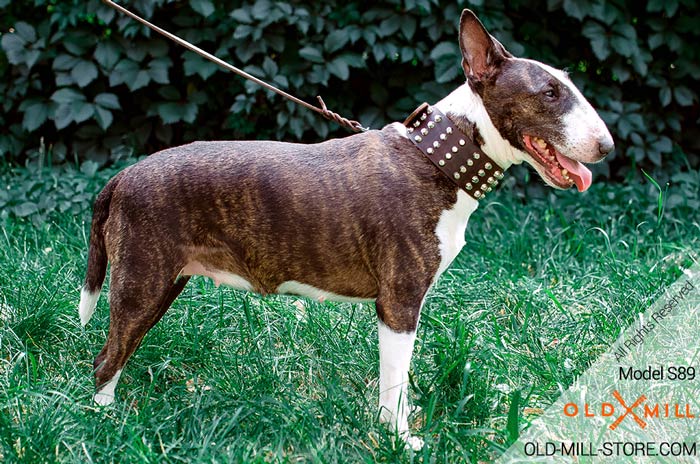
[{"x": 639, "y": 410}]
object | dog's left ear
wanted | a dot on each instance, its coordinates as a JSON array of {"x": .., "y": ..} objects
[{"x": 482, "y": 54}]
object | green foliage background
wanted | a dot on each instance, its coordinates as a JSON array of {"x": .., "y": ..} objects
[{"x": 96, "y": 85}]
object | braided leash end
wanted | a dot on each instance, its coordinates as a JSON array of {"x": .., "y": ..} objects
[{"x": 348, "y": 123}]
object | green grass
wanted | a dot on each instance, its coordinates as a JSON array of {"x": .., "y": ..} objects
[{"x": 541, "y": 289}]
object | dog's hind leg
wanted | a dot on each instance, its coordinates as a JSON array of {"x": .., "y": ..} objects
[
  {"x": 135, "y": 307},
  {"x": 398, "y": 321}
]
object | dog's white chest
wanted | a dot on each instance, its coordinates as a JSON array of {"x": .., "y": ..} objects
[{"x": 451, "y": 227}]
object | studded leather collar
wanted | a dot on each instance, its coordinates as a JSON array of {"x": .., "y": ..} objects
[{"x": 454, "y": 154}]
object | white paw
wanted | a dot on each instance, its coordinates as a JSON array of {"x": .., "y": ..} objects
[
  {"x": 104, "y": 399},
  {"x": 412, "y": 442}
]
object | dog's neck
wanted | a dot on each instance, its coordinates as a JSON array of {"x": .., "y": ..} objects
[{"x": 467, "y": 111}]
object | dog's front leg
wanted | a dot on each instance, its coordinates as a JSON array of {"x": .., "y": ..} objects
[{"x": 397, "y": 334}]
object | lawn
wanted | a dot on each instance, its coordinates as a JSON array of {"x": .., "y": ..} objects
[{"x": 542, "y": 287}]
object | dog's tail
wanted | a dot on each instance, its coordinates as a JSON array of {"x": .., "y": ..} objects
[{"x": 97, "y": 254}]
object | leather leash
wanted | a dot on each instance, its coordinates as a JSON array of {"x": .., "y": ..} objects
[
  {"x": 457, "y": 157},
  {"x": 323, "y": 110}
]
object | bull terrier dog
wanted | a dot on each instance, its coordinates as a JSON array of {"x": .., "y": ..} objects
[{"x": 372, "y": 217}]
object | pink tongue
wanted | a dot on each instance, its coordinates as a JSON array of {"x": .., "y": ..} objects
[{"x": 580, "y": 174}]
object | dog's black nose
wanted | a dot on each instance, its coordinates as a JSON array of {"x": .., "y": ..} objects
[{"x": 606, "y": 145}]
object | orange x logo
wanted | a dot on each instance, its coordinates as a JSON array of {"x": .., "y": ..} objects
[{"x": 628, "y": 410}]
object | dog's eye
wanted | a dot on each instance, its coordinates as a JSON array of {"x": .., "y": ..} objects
[{"x": 551, "y": 94}]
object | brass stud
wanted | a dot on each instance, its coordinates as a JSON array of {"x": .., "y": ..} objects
[
  {"x": 476, "y": 155},
  {"x": 438, "y": 118},
  {"x": 488, "y": 166},
  {"x": 431, "y": 124},
  {"x": 448, "y": 130},
  {"x": 484, "y": 187},
  {"x": 423, "y": 116},
  {"x": 454, "y": 149},
  {"x": 436, "y": 144},
  {"x": 468, "y": 186},
  {"x": 491, "y": 180},
  {"x": 462, "y": 169},
  {"x": 475, "y": 179},
  {"x": 448, "y": 155},
  {"x": 441, "y": 162},
  {"x": 482, "y": 173},
  {"x": 416, "y": 124},
  {"x": 430, "y": 110},
  {"x": 443, "y": 137},
  {"x": 424, "y": 131},
  {"x": 498, "y": 175},
  {"x": 495, "y": 183},
  {"x": 462, "y": 142},
  {"x": 470, "y": 162},
  {"x": 456, "y": 175},
  {"x": 489, "y": 189},
  {"x": 410, "y": 130},
  {"x": 419, "y": 139},
  {"x": 477, "y": 194},
  {"x": 429, "y": 151}
]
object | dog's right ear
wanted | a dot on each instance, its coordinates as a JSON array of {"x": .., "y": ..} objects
[{"x": 482, "y": 54}]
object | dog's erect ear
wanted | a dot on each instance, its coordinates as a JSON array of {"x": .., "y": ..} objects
[{"x": 481, "y": 53}]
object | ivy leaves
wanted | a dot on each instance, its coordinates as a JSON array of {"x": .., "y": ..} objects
[
  {"x": 72, "y": 106},
  {"x": 92, "y": 80}
]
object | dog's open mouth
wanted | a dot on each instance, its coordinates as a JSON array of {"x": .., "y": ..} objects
[{"x": 562, "y": 171}]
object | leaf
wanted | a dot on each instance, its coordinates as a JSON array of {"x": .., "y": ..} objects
[
  {"x": 655, "y": 40},
  {"x": 335, "y": 40},
  {"x": 195, "y": 64},
  {"x": 63, "y": 116},
  {"x": 108, "y": 100},
  {"x": 67, "y": 95},
  {"x": 64, "y": 62},
  {"x": 124, "y": 72},
  {"x": 35, "y": 114},
  {"x": 261, "y": 9},
  {"x": 203, "y": 7},
  {"x": 665, "y": 96},
  {"x": 107, "y": 54},
  {"x": 390, "y": 25},
  {"x": 354, "y": 60},
  {"x": 598, "y": 39},
  {"x": 513, "y": 417},
  {"x": 312, "y": 54},
  {"x": 241, "y": 15},
  {"x": 25, "y": 209},
  {"x": 663, "y": 145},
  {"x": 623, "y": 45},
  {"x": 25, "y": 31},
  {"x": 14, "y": 48},
  {"x": 103, "y": 116},
  {"x": 84, "y": 72},
  {"x": 446, "y": 70},
  {"x": 158, "y": 69},
  {"x": 243, "y": 31},
  {"x": 340, "y": 68},
  {"x": 444, "y": 49},
  {"x": 82, "y": 111},
  {"x": 684, "y": 96},
  {"x": 270, "y": 67},
  {"x": 89, "y": 168},
  {"x": 575, "y": 9},
  {"x": 408, "y": 27},
  {"x": 189, "y": 112},
  {"x": 169, "y": 112}
]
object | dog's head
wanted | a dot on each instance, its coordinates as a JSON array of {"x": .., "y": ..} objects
[{"x": 535, "y": 107}]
